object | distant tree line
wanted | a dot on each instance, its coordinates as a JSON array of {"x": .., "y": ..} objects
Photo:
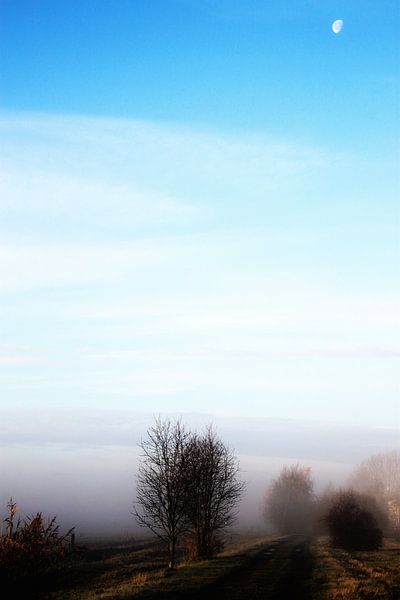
[
  {"x": 187, "y": 488},
  {"x": 356, "y": 517}
]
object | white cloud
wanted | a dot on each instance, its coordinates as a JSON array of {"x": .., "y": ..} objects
[
  {"x": 34, "y": 265},
  {"x": 272, "y": 312},
  {"x": 198, "y": 267},
  {"x": 86, "y": 202},
  {"x": 111, "y": 171},
  {"x": 20, "y": 359}
]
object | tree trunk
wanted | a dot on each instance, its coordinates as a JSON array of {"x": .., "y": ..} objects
[{"x": 171, "y": 554}]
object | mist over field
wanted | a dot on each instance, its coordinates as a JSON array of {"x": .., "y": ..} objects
[{"x": 81, "y": 465}]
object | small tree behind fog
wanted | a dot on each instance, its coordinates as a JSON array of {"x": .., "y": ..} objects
[
  {"x": 162, "y": 483},
  {"x": 379, "y": 477},
  {"x": 187, "y": 488},
  {"x": 289, "y": 501},
  {"x": 213, "y": 493}
]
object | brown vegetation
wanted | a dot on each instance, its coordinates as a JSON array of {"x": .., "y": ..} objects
[
  {"x": 31, "y": 548},
  {"x": 356, "y": 575}
]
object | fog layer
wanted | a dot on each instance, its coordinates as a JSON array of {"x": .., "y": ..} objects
[{"x": 81, "y": 465}]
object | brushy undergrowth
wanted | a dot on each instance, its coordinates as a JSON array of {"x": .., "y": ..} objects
[{"x": 32, "y": 547}]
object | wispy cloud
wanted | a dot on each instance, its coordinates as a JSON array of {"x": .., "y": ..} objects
[
  {"x": 80, "y": 174},
  {"x": 85, "y": 202},
  {"x": 34, "y": 264},
  {"x": 227, "y": 271},
  {"x": 20, "y": 359}
]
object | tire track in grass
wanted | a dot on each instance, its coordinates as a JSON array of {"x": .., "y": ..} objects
[
  {"x": 361, "y": 580},
  {"x": 280, "y": 571}
]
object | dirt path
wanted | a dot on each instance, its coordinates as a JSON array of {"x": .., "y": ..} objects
[{"x": 280, "y": 571}]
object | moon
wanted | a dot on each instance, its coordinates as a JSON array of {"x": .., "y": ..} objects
[{"x": 337, "y": 26}]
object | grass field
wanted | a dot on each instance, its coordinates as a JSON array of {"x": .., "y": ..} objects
[
  {"x": 131, "y": 572},
  {"x": 341, "y": 575},
  {"x": 138, "y": 572}
]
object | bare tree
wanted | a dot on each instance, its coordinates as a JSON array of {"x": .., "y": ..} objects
[
  {"x": 379, "y": 477},
  {"x": 289, "y": 501},
  {"x": 187, "y": 484},
  {"x": 212, "y": 494},
  {"x": 162, "y": 483}
]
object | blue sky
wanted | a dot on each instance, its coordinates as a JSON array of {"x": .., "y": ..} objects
[
  {"x": 199, "y": 207},
  {"x": 274, "y": 66}
]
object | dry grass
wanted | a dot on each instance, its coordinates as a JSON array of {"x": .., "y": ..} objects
[
  {"x": 139, "y": 573},
  {"x": 129, "y": 573},
  {"x": 31, "y": 549},
  {"x": 343, "y": 575},
  {"x": 140, "y": 579}
]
